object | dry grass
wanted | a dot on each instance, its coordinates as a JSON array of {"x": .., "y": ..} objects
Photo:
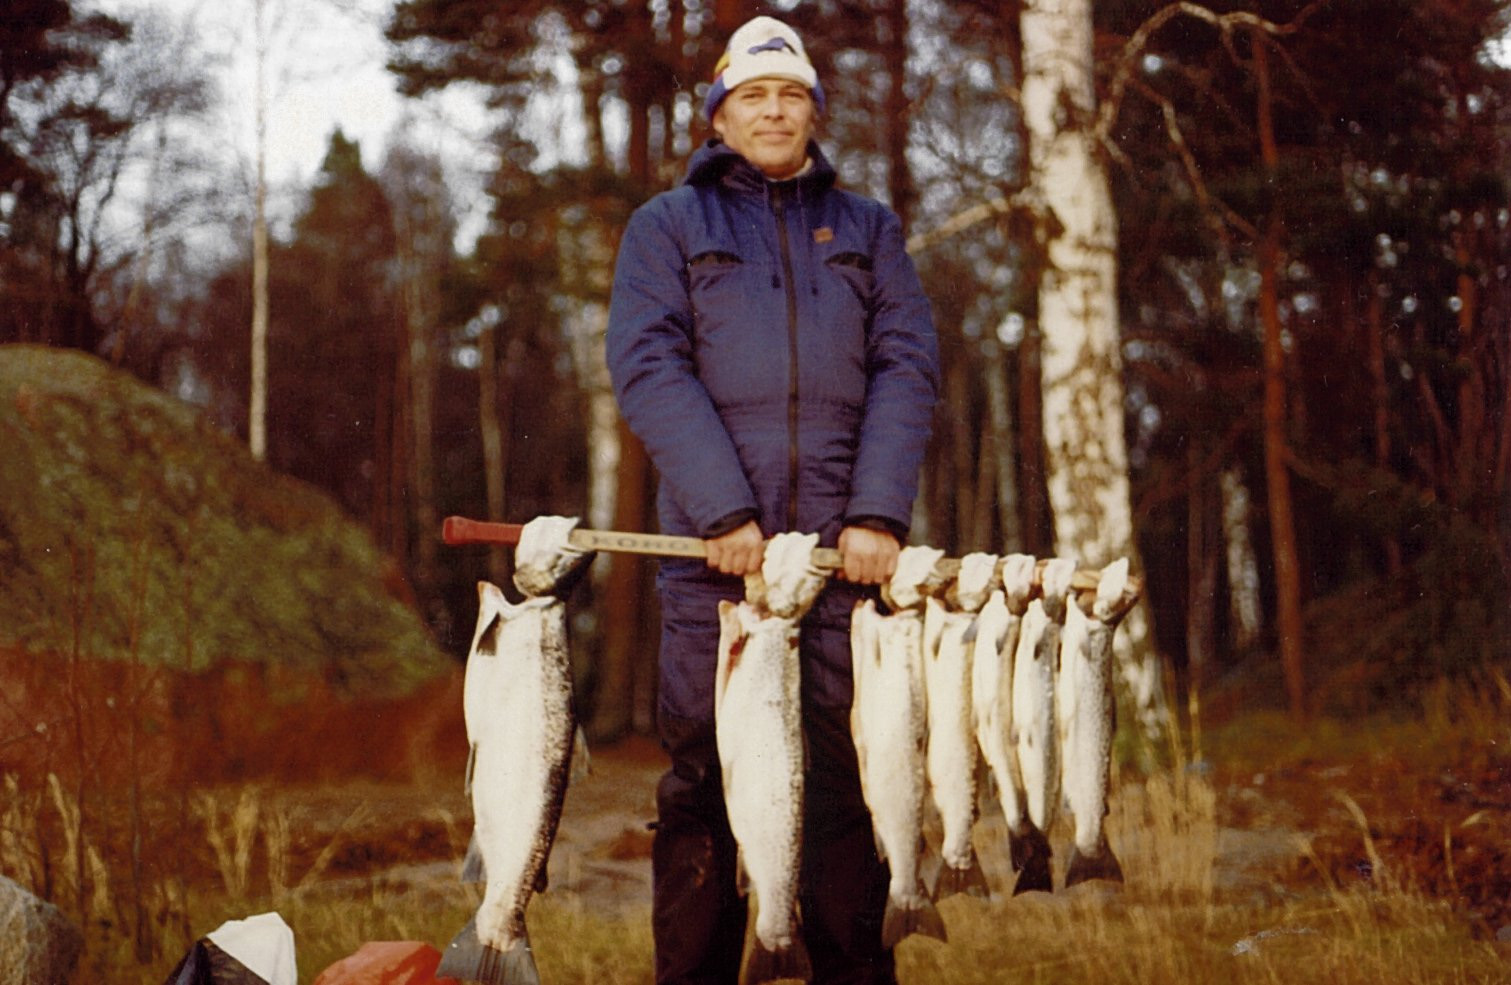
[
  {"x": 1177, "y": 920},
  {"x": 1346, "y": 938}
]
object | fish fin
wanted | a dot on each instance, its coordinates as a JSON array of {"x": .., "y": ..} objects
[
  {"x": 731, "y": 641},
  {"x": 766, "y": 965},
  {"x": 1102, "y": 865},
  {"x": 917, "y": 916},
  {"x": 929, "y": 864},
  {"x": 473, "y": 869},
  {"x": 471, "y": 767},
  {"x": 742, "y": 877},
  {"x": 881, "y": 850},
  {"x": 542, "y": 877},
  {"x": 970, "y": 880},
  {"x": 582, "y": 766},
  {"x": 1030, "y": 854},
  {"x": 467, "y": 958}
]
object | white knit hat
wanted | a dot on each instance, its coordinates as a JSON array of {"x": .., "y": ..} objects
[{"x": 762, "y": 48}]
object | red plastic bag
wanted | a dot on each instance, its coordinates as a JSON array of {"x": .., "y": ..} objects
[{"x": 386, "y": 963}]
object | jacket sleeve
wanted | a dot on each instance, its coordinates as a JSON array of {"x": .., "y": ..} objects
[
  {"x": 650, "y": 361},
  {"x": 902, "y": 371}
]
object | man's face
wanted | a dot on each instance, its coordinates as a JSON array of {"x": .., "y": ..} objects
[{"x": 769, "y": 122}]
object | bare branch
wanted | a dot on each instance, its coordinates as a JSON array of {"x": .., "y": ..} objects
[
  {"x": 1133, "y": 49},
  {"x": 1216, "y": 210},
  {"x": 1012, "y": 205}
]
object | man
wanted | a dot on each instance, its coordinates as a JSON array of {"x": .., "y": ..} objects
[{"x": 770, "y": 343}]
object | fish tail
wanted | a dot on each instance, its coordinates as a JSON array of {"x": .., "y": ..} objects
[
  {"x": 473, "y": 868},
  {"x": 582, "y": 763},
  {"x": 1101, "y": 864},
  {"x": 918, "y": 915},
  {"x": 1030, "y": 854},
  {"x": 467, "y": 958},
  {"x": 769, "y": 964},
  {"x": 969, "y": 879}
]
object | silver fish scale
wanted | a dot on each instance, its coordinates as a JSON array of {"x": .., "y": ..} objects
[
  {"x": 1038, "y": 657},
  {"x": 759, "y": 734},
  {"x": 889, "y": 722},
  {"x": 952, "y": 756},
  {"x": 1090, "y": 712},
  {"x": 520, "y": 721},
  {"x": 1034, "y": 738},
  {"x": 992, "y": 698},
  {"x": 1088, "y": 763}
]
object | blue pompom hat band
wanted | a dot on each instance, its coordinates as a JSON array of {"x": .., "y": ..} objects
[{"x": 763, "y": 48}]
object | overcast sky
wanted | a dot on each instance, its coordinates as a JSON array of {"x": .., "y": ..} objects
[{"x": 325, "y": 69}]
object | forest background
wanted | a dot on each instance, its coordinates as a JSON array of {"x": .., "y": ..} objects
[{"x": 1311, "y": 357}]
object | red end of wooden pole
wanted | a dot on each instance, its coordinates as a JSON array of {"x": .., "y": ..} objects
[{"x": 457, "y": 530}]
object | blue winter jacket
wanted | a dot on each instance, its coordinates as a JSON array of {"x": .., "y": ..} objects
[{"x": 771, "y": 345}]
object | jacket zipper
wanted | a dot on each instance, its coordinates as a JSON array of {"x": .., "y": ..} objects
[{"x": 792, "y": 398}]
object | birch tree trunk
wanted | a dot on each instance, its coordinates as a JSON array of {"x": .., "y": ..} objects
[
  {"x": 1081, "y": 363},
  {"x": 257, "y": 412},
  {"x": 1244, "y": 607}
]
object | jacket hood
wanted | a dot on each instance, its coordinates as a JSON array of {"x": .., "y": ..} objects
[{"x": 717, "y": 161}]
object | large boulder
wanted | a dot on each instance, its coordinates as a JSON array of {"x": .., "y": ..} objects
[
  {"x": 38, "y": 945},
  {"x": 131, "y": 529}
]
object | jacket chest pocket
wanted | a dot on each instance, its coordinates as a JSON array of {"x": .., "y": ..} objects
[
  {"x": 857, "y": 272},
  {"x": 714, "y": 279},
  {"x": 738, "y": 344}
]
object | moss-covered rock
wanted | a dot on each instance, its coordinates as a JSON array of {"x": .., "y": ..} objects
[{"x": 132, "y": 527}]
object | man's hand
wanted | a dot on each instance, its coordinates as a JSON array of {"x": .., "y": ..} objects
[
  {"x": 870, "y": 555},
  {"x": 738, "y": 552}
]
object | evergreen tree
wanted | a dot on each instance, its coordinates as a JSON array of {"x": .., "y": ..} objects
[{"x": 333, "y": 335}]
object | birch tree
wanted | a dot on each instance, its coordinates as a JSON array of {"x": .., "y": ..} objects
[
  {"x": 1081, "y": 365},
  {"x": 257, "y": 397}
]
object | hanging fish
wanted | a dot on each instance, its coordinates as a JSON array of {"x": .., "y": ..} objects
[
  {"x": 517, "y": 704},
  {"x": 996, "y": 641},
  {"x": 952, "y": 754},
  {"x": 1089, "y": 720},
  {"x": 889, "y": 724},
  {"x": 1035, "y": 737},
  {"x": 758, "y": 728}
]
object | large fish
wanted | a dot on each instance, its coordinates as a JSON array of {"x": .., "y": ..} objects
[
  {"x": 996, "y": 640},
  {"x": 1088, "y": 722},
  {"x": 952, "y": 754},
  {"x": 889, "y": 723},
  {"x": 758, "y": 729},
  {"x": 517, "y": 704},
  {"x": 1035, "y": 667}
]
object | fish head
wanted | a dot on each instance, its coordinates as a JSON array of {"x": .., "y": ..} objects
[
  {"x": 1035, "y": 621},
  {"x": 545, "y": 561},
  {"x": 1018, "y": 572},
  {"x": 1111, "y": 588},
  {"x": 792, "y": 582},
  {"x": 1055, "y": 585},
  {"x": 914, "y": 579},
  {"x": 975, "y": 580},
  {"x": 989, "y": 628}
]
